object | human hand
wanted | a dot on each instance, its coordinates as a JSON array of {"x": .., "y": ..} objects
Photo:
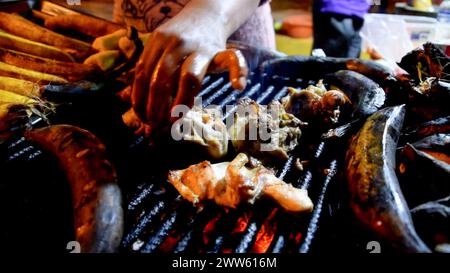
[{"x": 175, "y": 60}]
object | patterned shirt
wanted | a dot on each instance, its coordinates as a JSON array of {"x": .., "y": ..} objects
[{"x": 146, "y": 15}]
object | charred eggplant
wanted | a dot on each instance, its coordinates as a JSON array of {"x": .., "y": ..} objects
[
  {"x": 376, "y": 198},
  {"x": 366, "y": 96}
]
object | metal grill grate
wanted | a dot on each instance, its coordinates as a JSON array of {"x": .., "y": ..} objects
[
  {"x": 158, "y": 220},
  {"x": 175, "y": 226}
]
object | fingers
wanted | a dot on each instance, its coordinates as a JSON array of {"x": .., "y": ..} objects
[
  {"x": 125, "y": 94},
  {"x": 162, "y": 72},
  {"x": 144, "y": 68},
  {"x": 133, "y": 121},
  {"x": 233, "y": 61},
  {"x": 192, "y": 73},
  {"x": 163, "y": 85}
]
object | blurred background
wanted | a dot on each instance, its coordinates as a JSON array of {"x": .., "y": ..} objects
[{"x": 391, "y": 28}]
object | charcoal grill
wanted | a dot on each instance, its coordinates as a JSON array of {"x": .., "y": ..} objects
[{"x": 157, "y": 219}]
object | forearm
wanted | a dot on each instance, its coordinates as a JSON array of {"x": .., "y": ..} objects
[{"x": 228, "y": 15}]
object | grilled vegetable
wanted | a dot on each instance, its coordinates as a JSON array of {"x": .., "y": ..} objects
[
  {"x": 17, "y": 25},
  {"x": 69, "y": 70},
  {"x": 40, "y": 15},
  {"x": 376, "y": 198},
  {"x": 104, "y": 60},
  {"x": 17, "y": 43},
  {"x": 21, "y": 87},
  {"x": 26, "y": 74},
  {"x": 440, "y": 125},
  {"x": 96, "y": 195},
  {"x": 425, "y": 177},
  {"x": 10, "y": 97},
  {"x": 375, "y": 71},
  {"x": 365, "y": 95},
  {"x": 110, "y": 41},
  {"x": 15, "y": 110},
  {"x": 127, "y": 47},
  {"x": 316, "y": 68},
  {"x": 118, "y": 40},
  {"x": 429, "y": 61},
  {"x": 434, "y": 143},
  {"x": 73, "y": 89},
  {"x": 87, "y": 25},
  {"x": 11, "y": 114},
  {"x": 433, "y": 222},
  {"x": 431, "y": 96}
]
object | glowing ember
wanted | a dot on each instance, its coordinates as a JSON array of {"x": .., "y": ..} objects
[
  {"x": 266, "y": 234},
  {"x": 242, "y": 222},
  {"x": 170, "y": 242},
  {"x": 438, "y": 155},
  {"x": 296, "y": 237},
  {"x": 209, "y": 228}
]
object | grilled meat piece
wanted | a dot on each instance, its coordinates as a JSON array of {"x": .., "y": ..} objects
[
  {"x": 315, "y": 104},
  {"x": 232, "y": 183},
  {"x": 203, "y": 126},
  {"x": 264, "y": 132}
]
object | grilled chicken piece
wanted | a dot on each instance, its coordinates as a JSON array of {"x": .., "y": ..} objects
[
  {"x": 203, "y": 126},
  {"x": 232, "y": 183},
  {"x": 315, "y": 103},
  {"x": 264, "y": 132}
]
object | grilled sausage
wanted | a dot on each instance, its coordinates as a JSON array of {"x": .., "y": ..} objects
[{"x": 96, "y": 196}]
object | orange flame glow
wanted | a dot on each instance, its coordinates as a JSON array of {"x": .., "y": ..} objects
[
  {"x": 170, "y": 242},
  {"x": 266, "y": 234},
  {"x": 242, "y": 222},
  {"x": 297, "y": 237},
  {"x": 209, "y": 228}
]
